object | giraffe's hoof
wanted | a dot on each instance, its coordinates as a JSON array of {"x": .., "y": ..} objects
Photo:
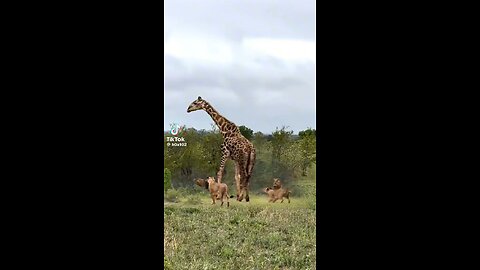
[{"x": 247, "y": 199}]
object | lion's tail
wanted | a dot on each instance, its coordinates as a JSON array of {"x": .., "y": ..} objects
[{"x": 227, "y": 194}]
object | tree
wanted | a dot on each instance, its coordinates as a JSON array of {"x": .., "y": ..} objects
[
  {"x": 307, "y": 132},
  {"x": 246, "y": 132},
  {"x": 280, "y": 145},
  {"x": 211, "y": 144},
  {"x": 259, "y": 139},
  {"x": 167, "y": 183},
  {"x": 308, "y": 145}
]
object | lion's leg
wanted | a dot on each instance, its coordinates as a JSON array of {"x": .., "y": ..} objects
[
  {"x": 271, "y": 197},
  {"x": 213, "y": 198},
  {"x": 222, "y": 196}
]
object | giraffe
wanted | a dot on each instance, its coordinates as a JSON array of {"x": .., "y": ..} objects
[{"x": 235, "y": 147}]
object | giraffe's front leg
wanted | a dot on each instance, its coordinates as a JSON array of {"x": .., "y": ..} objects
[
  {"x": 243, "y": 183},
  {"x": 225, "y": 156},
  {"x": 237, "y": 178}
]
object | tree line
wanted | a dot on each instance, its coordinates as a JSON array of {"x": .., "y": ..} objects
[{"x": 281, "y": 154}]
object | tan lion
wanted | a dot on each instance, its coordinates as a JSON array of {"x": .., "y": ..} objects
[
  {"x": 277, "y": 184},
  {"x": 277, "y": 194},
  {"x": 218, "y": 191}
]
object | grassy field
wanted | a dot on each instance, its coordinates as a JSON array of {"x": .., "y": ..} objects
[{"x": 254, "y": 235}]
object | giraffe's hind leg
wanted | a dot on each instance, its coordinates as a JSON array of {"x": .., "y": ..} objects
[
  {"x": 244, "y": 188},
  {"x": 243, "y": 182},
  {"x": 247, "y": 198}
]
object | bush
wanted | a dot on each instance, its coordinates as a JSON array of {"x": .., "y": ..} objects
[
  {"x": 172, "y": 196},
  {"x": 167, "y": 179}
]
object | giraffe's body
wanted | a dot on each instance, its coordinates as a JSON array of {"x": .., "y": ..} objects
[{"x": 235, "y": 146}]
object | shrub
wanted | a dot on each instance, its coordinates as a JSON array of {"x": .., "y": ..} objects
[
  {"x": 167, "y": 179},
  {"x": 172, "y": 196}
]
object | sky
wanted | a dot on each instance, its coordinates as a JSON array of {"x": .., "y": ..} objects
[{"x": 253, "y": 61}]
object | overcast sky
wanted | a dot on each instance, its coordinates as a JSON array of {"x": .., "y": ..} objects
[{"x": 253, "y": 61}]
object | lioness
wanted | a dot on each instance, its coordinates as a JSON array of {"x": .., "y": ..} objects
[
  {"x": 277, "y": 183},
  {"x": 277, "y": 194},
  {"x": 218, "y": 191}
]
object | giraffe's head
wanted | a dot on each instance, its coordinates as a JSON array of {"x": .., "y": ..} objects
[{"x": 197, "y": 104}]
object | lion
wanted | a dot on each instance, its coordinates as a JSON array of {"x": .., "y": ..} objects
[
  {"x": 277, "y": 194},
  {"x": 277, "y": 184},
  {"x": 218, "y": 191}
]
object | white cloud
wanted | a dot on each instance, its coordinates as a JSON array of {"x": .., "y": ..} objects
[
  {"x": 199, "y": 50},
  {"x": 254, "y": 61},
  {"x": 285, "y": 49}
]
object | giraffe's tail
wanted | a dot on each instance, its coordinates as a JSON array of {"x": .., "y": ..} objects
[{"x": 251, "y": 162}]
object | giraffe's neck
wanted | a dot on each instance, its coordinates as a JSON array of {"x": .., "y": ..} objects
[{"x": 223, "y": 123}]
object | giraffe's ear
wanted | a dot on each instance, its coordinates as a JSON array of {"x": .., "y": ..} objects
[{"x": 199, "y": 98}]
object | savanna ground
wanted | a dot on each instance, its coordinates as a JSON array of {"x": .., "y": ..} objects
[{"x": 254, "y": 235}]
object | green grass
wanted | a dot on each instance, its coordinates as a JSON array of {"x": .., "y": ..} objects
[{"x": 254, "y": 235}]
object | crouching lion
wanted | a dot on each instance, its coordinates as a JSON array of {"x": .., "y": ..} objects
[
  {"x": 277, "y": 194},
  {"x": 218, "y": 191}
]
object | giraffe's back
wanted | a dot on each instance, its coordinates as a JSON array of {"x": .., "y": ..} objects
[{"x": 238, "y": 146}]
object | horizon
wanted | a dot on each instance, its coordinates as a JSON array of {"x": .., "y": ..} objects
[{"x": 254, "y": 131}]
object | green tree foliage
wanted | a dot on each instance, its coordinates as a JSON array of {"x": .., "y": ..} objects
[
  {"x": 246, "y": 132},
  {"x": 211, "y": 145},
  {"x": 167, "y": 176},
  {"x": 280, "y": 146},
  {"x": 308, "y": 146},
  {"x": 259, "y": 139},
  {"x": 200, "y": 158},
  {"x": 280, "y": 154},
  {"x": 307, "y": 132}
]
